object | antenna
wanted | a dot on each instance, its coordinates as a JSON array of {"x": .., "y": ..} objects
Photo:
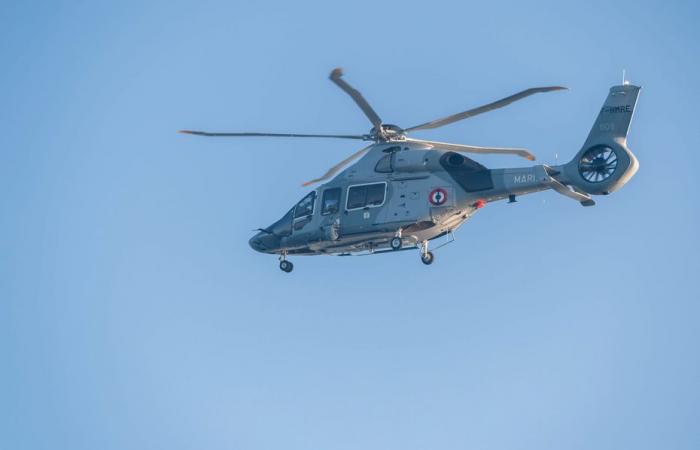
[{"x": 625, "y": 82}]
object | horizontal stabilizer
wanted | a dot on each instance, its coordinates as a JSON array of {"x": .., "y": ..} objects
[{"x": 564, "y": 190}]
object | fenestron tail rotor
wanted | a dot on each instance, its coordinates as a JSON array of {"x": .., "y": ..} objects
[{"x": 598, "y": 164}]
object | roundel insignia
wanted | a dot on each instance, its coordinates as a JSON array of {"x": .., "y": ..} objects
[{"x": 437, "y": 197}]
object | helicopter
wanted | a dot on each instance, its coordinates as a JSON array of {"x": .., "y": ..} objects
[{"x": 402, "y": 193}]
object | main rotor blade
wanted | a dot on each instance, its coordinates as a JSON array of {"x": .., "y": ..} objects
[
  {"x": 474, "y": 149},
  {"x": 337, "y": 136},
  {"x": 336, "y": 77},
  {"x": 482, "y": 109},
  {"x": 333, "y": 170}
]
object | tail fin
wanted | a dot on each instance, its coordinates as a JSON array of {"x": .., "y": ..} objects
[
  {"x": 613, "y": 122},
  {"x": 604, "y": 163}
]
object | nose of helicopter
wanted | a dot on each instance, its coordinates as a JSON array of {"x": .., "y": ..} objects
[{"x": 264, "y": 242}]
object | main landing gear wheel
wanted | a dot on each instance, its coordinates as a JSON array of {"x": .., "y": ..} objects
[
  {"x": 286, "y": 266},
  {"x": 427, "y": 258},
  {"x": 395, "y": 243}
]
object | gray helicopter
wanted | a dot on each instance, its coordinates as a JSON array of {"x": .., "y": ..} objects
[{"x": 403, "y": 193}]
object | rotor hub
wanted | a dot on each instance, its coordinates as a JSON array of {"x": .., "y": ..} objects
[{"x": 388, "y": 132}]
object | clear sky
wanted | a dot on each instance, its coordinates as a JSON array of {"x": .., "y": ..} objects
[{"x": 133, "y": 314}]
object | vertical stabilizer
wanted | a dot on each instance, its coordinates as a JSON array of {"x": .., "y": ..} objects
[
  {"x": 605, "y": 163},
  {"x": 614, "y": 118}
]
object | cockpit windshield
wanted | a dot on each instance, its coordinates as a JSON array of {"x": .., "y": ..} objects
[{"x": 283, "y": 227}]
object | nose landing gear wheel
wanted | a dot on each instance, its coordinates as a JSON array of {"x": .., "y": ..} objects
[
  {"x": 395, "y": 243},
  {"x": 427, "y": 258},
  {"x": 286, "y": 266}
]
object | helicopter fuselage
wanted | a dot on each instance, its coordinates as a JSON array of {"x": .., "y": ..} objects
[
  {"x": 403, "y": 192},
  {"x": 397, "y": 189}
]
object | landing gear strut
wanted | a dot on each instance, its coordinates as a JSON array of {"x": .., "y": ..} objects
[
  {"x": 426, "y": 256},
  {"x": 285, "y": 266}
]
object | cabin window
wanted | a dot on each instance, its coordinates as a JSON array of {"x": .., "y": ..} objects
[
  {"x": 366, "y": 196},
  {"x": 357, "y": 197},
  {"x": 331, "y": 201},
  {"x": 306, "y": 206},
  {"x": 375, "y": 194}
]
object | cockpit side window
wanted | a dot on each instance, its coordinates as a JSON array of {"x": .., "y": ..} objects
[
  {"x": 331, "y": 201},
  {"x": 306, "y": 206}
]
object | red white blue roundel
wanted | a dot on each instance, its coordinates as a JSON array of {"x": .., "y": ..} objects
[{"x": 437, "y": 197}]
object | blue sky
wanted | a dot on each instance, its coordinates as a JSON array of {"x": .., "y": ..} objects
[{"x": 133, "y": 314}]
